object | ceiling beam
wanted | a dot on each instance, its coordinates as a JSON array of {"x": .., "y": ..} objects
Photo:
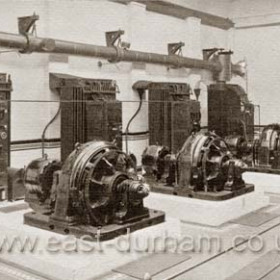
[{"x": 166, "y": 8}]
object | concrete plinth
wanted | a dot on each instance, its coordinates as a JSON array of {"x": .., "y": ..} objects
[
  {"x": 267, "y": 184},
  {"x": 63, "y": 257},
  {"x": 209, "y": 213}
]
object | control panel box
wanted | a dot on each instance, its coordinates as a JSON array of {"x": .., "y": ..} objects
[{"x": 5, "y": 132}]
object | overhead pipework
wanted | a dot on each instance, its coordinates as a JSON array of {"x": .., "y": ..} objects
[
  {"x": 27, "y": 42},
  {"x": 46, "y": 45}
]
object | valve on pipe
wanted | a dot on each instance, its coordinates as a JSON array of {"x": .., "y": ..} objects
[
  {"x": 95, "y": 192},
  {"x": 204, "y": 168}
]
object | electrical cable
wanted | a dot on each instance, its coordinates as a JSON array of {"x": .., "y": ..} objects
[
  {"x": 140, "y": 92},
  {"x": 46, "y": 128}
]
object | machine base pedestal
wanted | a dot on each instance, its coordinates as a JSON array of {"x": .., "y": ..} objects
[
  {"x": 159, "y": 187},
  {"x": 102, "y": 233},
  {"x": 221, "y": 195},
  {"x": 264, "y": 169}
]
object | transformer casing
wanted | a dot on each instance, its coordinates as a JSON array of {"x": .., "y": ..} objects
[
  {"x": 171, "y": 114},
  {"x": 229, "y": 111},
  {"x": 89, "y": 110}
]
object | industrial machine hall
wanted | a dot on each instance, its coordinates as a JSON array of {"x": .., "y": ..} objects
[{"x": 139, "y": 139}]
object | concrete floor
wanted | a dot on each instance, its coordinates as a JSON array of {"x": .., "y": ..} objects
[
  {"x": 216, "y": 264},
  {"x": 6, "y": 277}
]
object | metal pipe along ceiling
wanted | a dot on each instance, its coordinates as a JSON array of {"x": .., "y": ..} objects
[{"x": 45, "y": 45}]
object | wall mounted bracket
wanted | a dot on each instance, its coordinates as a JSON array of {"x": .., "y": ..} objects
[
  {"x": 26, "y": 25},
  {"x": 207, "y": 53},
  {"x": 27, "y": 28},
  {"x": 113, "y": 36},
  {"x": 175, "y": 48}
]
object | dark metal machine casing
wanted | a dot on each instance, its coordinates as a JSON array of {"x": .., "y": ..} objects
[
  {"x": 266, "y": 150},
  {"x": 89, "y": 111},
  {"x": 229, "y": 111},
  {"x": 96, "y": 193},
  {"x": 208, "y": 170},
  {"x": 172, "y": 114},
  {"x": 15, "y": 189},
  {"x": 5, "y": 129},
  {"x": 204, "y": 168}
]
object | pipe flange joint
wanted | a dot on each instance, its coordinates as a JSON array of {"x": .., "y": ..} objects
[
  {"x": 179, "y": 62},
  {"x": 27, "y": 48},
  {"x": 119, "y": 55}
]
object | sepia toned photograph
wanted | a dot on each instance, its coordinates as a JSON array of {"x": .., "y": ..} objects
[{"x": 139, "y": 140}]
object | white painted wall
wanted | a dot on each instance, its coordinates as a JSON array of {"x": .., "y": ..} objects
[
  {"x": 260, "y": 45},
  {"x": 217, "y": 7},
  {"x": 87, "y": 21},
  {"x": 249, "y": 8}
]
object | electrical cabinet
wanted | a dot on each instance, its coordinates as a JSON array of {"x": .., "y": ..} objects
[
  {"x": 172, "y": 114},
  {"x": 229, "y": 111},
  {"x": 5, "y": 131},
  {"x": 89, "y": 111}
]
